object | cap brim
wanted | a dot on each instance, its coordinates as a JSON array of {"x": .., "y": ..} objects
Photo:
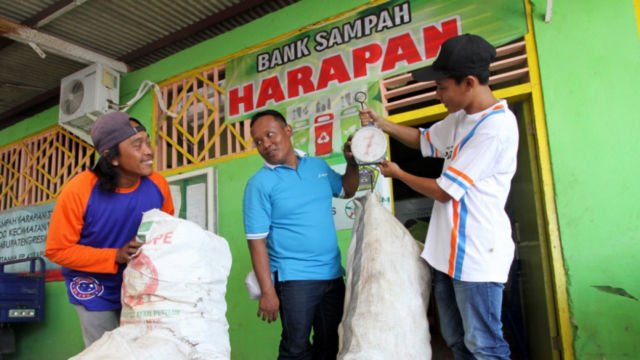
[{"x": 427, "y": 74}]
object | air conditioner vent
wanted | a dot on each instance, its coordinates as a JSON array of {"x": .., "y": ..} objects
[
  {"x": 85, "y": 95},
  {"x": 72, "y": 97}
]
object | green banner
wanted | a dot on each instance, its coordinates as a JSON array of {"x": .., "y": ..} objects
[{"x": 313, "y": 77}]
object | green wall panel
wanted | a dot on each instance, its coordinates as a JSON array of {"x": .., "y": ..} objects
[
  {"x": 250, "y": 337},
  {"x": 590, "y": 67},
  {"x": 30, "y": 126}
]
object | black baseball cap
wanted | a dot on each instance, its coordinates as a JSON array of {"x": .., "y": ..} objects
[{"x": 460, "y": 55}]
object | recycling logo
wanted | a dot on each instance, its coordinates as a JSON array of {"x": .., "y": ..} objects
[{"x": 323, "y": 138}]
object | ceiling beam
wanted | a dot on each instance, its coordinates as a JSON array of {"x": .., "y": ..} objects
[
  {"x": 50, "y": 97},
  {"x": 44, "y": 16},
  {"x": 29, "y": 36}
]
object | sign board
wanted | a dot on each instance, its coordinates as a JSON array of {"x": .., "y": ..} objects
[
  {"x": 311, "y": 75},
  {"x": 23, "y": 232}
]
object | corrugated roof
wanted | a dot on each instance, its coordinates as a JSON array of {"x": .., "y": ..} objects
[{"x": 138, "y": 33}]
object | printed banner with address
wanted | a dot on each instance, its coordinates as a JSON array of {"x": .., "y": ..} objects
[{"x": 23, "y": 232}]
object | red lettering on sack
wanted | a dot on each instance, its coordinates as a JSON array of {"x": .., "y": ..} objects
[{"x": 161, "y": 239}]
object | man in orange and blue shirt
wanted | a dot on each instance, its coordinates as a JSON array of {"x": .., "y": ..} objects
[
  {"x": 92, "y": 232},
  {"x": 469, "y": 242}
]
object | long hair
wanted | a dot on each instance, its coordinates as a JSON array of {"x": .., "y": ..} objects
[{"x": 107, "y": 174}]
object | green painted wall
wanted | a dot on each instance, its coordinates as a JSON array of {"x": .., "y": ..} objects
[
  {"x": 590, "y": 68},
  {"x": 59, "y": 336},
  {"x": 30, "y": 126}
]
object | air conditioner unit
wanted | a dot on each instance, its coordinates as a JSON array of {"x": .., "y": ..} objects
[{"x": 85, "y": 95}]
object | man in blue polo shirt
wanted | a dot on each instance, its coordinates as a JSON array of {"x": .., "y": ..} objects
[{"x": 288, "y": 222}]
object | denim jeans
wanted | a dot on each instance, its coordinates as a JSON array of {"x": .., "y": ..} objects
[
  {"x": 469, "y": 315},
  {"x": 307, "y": 304}
]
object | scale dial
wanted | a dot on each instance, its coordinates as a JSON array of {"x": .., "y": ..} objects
[{"x": 369, "y": 145}]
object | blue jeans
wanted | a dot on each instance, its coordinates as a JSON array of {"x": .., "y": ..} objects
[
  {"x": 469, "y": 315},
  {"x": 307, "y": 304}
]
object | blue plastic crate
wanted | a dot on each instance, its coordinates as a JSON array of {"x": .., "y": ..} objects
[{"x": 22, "y": 294}]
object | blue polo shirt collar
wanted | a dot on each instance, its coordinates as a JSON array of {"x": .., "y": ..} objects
[{"x": 299, "y": 154}]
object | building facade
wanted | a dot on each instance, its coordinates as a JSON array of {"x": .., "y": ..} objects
[{"x": 569, "y": 80}]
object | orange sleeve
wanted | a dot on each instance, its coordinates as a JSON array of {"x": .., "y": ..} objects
[
  {"x": 66, "y": 225},
  {"x": 163, "y": 185}
]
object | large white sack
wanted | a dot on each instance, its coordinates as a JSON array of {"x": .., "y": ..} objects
[
  {"x": 388, "y": 286},
  {"x": 136, "y": 342},
  {"x": 173, "y": 295}
]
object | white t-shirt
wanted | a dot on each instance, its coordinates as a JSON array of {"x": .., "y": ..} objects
[{"x": 469, "y": 237}]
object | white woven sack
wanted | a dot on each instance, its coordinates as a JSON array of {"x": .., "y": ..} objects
[
  {"x": 173, "y": 295},
  {"x": 136, "y": 342},
  {"x": 388, "y": 287}
]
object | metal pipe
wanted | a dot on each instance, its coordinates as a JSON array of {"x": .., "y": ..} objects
[
  {"x": 65, "y": 9},
  {"x": 548, "y": 13}
]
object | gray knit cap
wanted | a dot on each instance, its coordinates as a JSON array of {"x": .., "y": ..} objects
[{"x": 111, "y": 129}]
